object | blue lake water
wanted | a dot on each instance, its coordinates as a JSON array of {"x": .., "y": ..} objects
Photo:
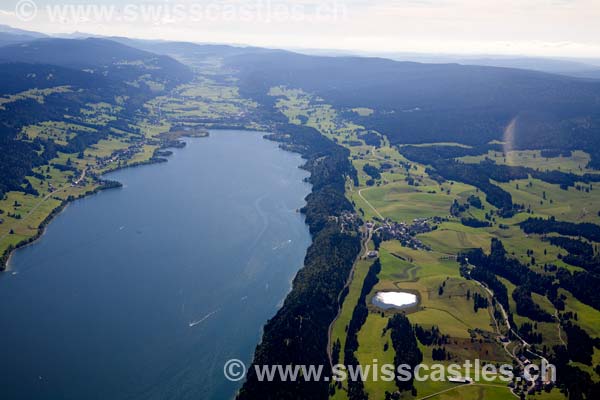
[{"x": 144, "y": 292}]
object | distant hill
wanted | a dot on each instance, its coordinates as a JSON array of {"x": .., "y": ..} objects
[
  {"x": 189, "y": 53},
  {"x": 418, "y": 103},
  {"x": 105, "y": 57},
  {"x": 78, "y": 35},
  {"x": 10, "y": 35},
  {"x": 165, "y": 47},
  {"x": 579, "y": 68},
  {"x": 170, "y": 48},
  {"x": 11, "y": 38},
  {"x": 21, "y": 32},
  {"x": 562, "y": 67}
]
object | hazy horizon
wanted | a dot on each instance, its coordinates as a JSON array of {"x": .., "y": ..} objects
[{"x": 538, "y": 28}]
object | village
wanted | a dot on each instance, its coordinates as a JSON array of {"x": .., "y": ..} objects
[{"x": 405, "y": 233}]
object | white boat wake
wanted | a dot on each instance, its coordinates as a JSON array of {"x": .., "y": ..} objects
[
  {"x": 282, "y": 245},
  {"x": 201, "y": 320}
]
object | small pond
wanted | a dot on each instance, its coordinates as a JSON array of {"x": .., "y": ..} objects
[{"x": 397, "y": 300}]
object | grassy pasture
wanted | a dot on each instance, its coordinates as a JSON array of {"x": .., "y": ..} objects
[
  {"x": 371, "y": 347},
  {"x": 401, "y": 202},
  {"x": 106, "y": 147},
  {"x": 576, "y": 163},
  {"x": 339, "y": 327},
  {"x": 452, "y": 237},
  {"x": 38, "y": 95},
  {"x": 423, "y": 273},
  {"x": 568, "y": 205},
  {"x": 60, "y": 132},
  {"x": 588, "y": 317},
  {"x": 441, "y": 144}
]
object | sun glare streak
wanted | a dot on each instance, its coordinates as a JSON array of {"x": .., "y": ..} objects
[{"x": 508, "y": 140}]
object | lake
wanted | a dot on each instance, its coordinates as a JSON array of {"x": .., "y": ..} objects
[{"x": 144, "y": 292}]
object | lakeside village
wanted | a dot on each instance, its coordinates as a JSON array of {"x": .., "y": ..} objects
[
  {"x": 122, "y": 157},
  {"x": 116, "y": 160}
]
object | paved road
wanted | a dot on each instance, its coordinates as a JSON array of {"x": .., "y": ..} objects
[{"x": 369, "y": 204}]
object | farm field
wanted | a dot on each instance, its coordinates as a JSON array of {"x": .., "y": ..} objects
[
  {"x": 575, "y": 163},
  {"x": 549, "y": 200}
]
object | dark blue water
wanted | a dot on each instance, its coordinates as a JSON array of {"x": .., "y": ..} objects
[{"x": 144, "y": 292}]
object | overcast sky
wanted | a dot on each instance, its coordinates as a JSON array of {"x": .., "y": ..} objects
[{"x": 568, "y": 28}]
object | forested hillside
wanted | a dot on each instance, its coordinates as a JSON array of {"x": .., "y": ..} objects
[
  {"x": 104, "y": 57},
  {"x": 421, "y": 103},
  {"x": 58, "y": 80}
]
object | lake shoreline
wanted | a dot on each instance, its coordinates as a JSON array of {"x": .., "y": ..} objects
[
  {"x": 102, "y": 185},
  {"x": 8, "y": 254},
  {"x": 329, "y": 259}
]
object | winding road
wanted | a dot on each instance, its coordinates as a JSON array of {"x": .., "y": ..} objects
[{"x": 369, "y": 204}]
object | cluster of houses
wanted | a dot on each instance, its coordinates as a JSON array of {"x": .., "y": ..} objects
[
  {"x": 348, "y": 221},
  {"x": 117, "y": 155},
  {"x": 404, "y": 232}
]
